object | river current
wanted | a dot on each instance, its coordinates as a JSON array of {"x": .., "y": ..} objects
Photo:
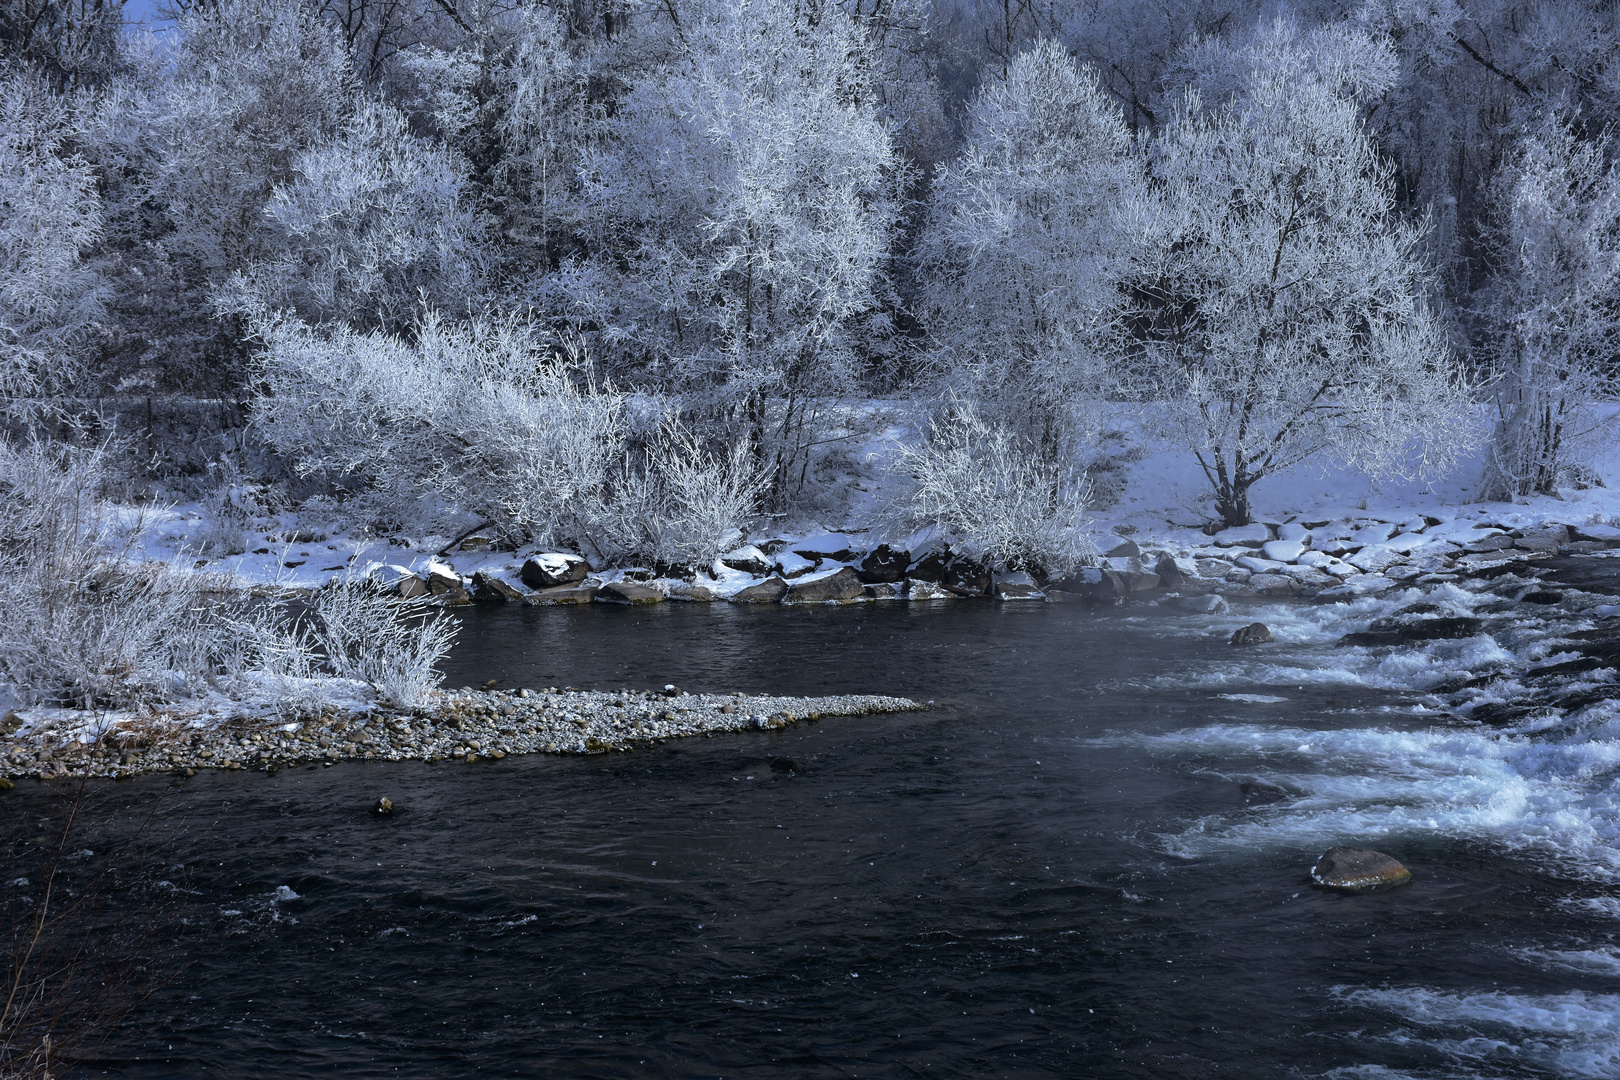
[{"x": 1090, "y": 859}]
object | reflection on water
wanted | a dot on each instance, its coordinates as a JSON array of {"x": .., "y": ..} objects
[{"x": 1090, "y": 861}]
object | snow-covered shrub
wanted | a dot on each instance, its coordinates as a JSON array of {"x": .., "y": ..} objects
[
  {"x": 485, "y": 418},
  {"x": 1556, "y": 321},
  {"x": 993, "y": 495},
  {"x": 683, "y": 505},
  {"x": 85, "y": 623},
  {"x": 1285, "y": 318},
  {"x": 50, "y": 216},
  {"x": 394, "y": 646}
]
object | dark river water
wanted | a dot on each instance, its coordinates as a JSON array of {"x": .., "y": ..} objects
[{"x": 1089, "y": 860}]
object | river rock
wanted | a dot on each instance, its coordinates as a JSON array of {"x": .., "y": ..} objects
[
  {"x": 1015, "y": 585},
  {"x": 444, "y": 582},
  {"x": 1251, "y": 535},
  {"x": 923, "y": 589},
  {"x": 931, "y": 567},
  {"x": 1494, "y": 542},
  {"x": 1207, "y": 604},
  {"x": 1253, "y": 634},
  {"x": 768, "y": 591},
  {"x": 490, "y": 587},
  {"x": 1122, "y": 547},
  {"x": 1375, "y": 557},
  {"x": 629, "y": 592},
  {"x": 384, "y": 807},
  {"x": 750, "y": 560},
  {"x": 844, "y": 584},
  {"x": 689, "y": 591},
  {"x": 884, "y": 564},
  {"x": 966, "y": 577},
  {"x": 1283, "y": 551},
  {"x": 1274, "y": 585},
  {"x": 1256, "y": 565},
  {"x": 550, "y": 570},
  {"x": 1604, "y": 534},
  {"x": 1293, "y": 530},
  {"x": 563, "y": 594},
  {"x": 410, "y": 587},
  {"x": 834, "y": 546},
  {"x": 791, "y": 564},
  {"x": 1358, "y": 870},
  {"x": 1170, "y": 573},
  {"x": 1542, "y": 543}
]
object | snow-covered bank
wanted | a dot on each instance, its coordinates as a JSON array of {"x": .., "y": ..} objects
[{"x": 467, "y": 725}]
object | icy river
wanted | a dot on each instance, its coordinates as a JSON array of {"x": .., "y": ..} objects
[{"x": 1090, "y": 860}]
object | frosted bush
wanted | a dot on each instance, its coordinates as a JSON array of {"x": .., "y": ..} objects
[
  {"x": 684, "y": 505},
  {"x": 85, "y": 624},
  {"x": 394, "y": 646},
  {"x": 487, "y": 418},
  {"x": 993, "y": 496}
]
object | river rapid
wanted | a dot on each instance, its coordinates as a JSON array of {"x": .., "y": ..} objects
[{"x": 1090, "y": 860}]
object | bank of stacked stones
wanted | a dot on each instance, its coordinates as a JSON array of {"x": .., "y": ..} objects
[
  {"x": 466, "y": 726},
  {"x": 1328, "y": 556}
]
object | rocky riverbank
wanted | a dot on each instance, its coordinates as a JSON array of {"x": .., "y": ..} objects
[
  {"x": 1327, "y": 555},
  {"x": 464, "y": 726}
]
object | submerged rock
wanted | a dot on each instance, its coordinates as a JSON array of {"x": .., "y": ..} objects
[
  {"x": 1253, "y": 634},
  {"x": 563, "y": 594},
  {"x": 1358, "y": 870}
]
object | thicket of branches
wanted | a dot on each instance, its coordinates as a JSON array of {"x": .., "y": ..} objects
[{"x": 609, "y": 273}]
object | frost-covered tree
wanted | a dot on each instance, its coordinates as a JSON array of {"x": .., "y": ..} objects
[
  {"x": 1555, "y": 304},
  {"x": 51, "y": 298},
  {"x": 254, "y": 84},
  {"x": 741, "y": 202},
  {"x": 1028, "y": 244},
  {"x": 374, "y": 224},
  {"x": 1286, "y": 319}
]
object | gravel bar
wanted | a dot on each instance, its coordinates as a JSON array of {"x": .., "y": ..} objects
[{"x": 465, "y": 726}]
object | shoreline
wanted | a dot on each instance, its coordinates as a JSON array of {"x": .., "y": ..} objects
[{"x": 461, "y": 725}]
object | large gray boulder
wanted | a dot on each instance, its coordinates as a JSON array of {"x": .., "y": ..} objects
[
  {"x": 769, "y": 591},
  {"x": 845, "y": 584},
  {"x": 629, "y": 592}
]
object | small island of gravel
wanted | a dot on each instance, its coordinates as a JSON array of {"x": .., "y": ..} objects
[{"x": 466, "y": 725}]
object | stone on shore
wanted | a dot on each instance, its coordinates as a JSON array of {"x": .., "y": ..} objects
[
  {"x": 1252, "y": 535},
  {"x": 490, "y": 587},
  {"x": 844, "y": 584},
  {"x": 1358, "y": 870},
  {"x": 1016, "y": 585},
  {"x": 629, "y": 592},
  {"x": 768, "y": 591},
  {"x": 550, "y": 570},
  {"x": 563, "y": 594},
  {"x": 884, "y": 565},
  {"x": 749, "y": 560}
]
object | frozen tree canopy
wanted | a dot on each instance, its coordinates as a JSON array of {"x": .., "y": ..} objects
[{"x": 628, "y": 276}]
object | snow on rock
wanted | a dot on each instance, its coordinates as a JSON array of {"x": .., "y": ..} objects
[
  {"x": 1375, "y": 533},
  {"x": 1375, "y": 558},
  {"x": 790, "y": 565},
  {"x": 749, "y": 559},
  {"x": 1283, "y": 551},
  {"x": 1605, "y": 534},
  {"x": 1260, "y": 566},
  {"x": 1251, "y": 535},
  {"x": 826, "y": 545},
  {"x": 1293, "y": 530},
  {"x": 548, "y": 570}
]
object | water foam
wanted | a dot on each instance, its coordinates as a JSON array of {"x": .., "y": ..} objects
[{"x": 1572, "y": 1034}]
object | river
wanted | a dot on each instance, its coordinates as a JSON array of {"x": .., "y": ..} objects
[{"x": 1089, "y": 860}]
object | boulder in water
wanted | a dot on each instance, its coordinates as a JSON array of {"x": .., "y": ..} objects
[
  {"x": 1253, "y": 634},
  {"x": 384, "y": 807},
  {"x": 1358, "y": 870}
]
